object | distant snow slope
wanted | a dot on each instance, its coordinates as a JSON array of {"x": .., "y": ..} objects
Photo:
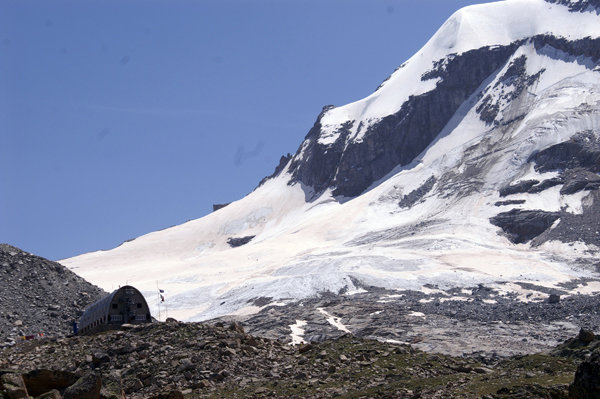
[{"x": 425, "y": 221}]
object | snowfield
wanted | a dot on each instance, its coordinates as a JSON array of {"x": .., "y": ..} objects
[{"x": 344, "y": 245}]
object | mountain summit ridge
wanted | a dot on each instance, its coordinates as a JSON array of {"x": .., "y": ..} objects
[{"x": 476, "y": 162}]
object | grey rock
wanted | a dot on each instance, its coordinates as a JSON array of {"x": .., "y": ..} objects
[
  {"x": 586, "y": 336},
  {"x": 14, "y": 386},
  {"x": 523, "y": 225},
  {"x": 87, "y": 387},
  {"x": 100, "y": 356},
  {"x": 587, "y": 380},
  {"x": 554, "y": 298},
  {"x": 42, "y": 380},
  {"x": 53, "y": 394}
]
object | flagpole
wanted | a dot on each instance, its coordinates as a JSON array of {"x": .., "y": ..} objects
[{"x": 158, "y": 302}]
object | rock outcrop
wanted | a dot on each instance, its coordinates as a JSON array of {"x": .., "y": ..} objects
[{"x": 521, "y": 226}]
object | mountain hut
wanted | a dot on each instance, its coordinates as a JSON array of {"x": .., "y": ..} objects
[{"x": 124, "y": 305}]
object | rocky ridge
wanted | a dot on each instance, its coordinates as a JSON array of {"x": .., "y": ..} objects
[
  {"x": 39, "y": 296},
  {"x": 193, "y": 360}
]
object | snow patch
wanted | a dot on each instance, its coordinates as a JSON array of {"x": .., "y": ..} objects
[
  {"x": 334, "y": 321},
  {"x": 297, "y": 332}
]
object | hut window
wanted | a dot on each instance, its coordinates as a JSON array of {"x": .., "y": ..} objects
[
  {"x": 129, "y": 292},
  {"x": 116, "y": 317},
  {"x": 115, "y": 305},
  {"x": 140, "y": 317},
  {"x": 139, "y": 305}
]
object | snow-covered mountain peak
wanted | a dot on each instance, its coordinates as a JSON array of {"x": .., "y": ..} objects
[
  {"x": 476, "y": 162},
  {"x": 473, "y": 27}
]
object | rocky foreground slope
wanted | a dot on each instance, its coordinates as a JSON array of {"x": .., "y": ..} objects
[
  {"x": 193, "y": 360},
  {"x": 39, "y": 296}
]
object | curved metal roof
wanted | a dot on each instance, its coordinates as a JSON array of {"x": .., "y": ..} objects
[{"x": 100, "y": 308}]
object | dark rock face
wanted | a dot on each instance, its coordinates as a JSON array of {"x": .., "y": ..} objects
[
  {"x": 238, "y": 242},
  {"x": 283, "y": 161},
  {"x": 587, "y": 47},
  {"x": 515, "y": 80},
  {"x": 411, "y": 198},
  {"x": 579, "y": 179},
  {"x": 521, "y": 226},
  {"x": 216, "y": 207},
  {"x": 546, "y": 184},
  {"x": 577, "y": 162},
  {"x": 587, "y": 380},
  {"x": 530, "y": 186},
  {"x": 577, "y": 6},
  {"x": 576, "y": 227},
  {"x": 39, "y": 296},
  {"x": 509, "y": 202},
  {"x": 396, "y": 139},
  {"x": 350, "y": 167},
  {"x": 580, "y": 151},
  {"x": 521, "y": 187}
]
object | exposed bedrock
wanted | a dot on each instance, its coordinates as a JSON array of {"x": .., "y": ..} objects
[
  {"x": 583, "y": 227},
  {"x": 521, "y": 226},
  {"x": 577, "y": 5},
  {"x": 580, "y": 151},
  {"x": 414, "y": 196},
  {"x": 520, "y": 187},
  {"x": 397, "y": 139},
  {"x": 239, "y": 241},
  {"x": 350, "y": 166}
]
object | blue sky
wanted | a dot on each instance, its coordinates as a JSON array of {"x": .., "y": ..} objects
[{"x": 118, "y": 118}]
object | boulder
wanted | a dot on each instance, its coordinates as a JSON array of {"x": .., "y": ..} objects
[
  {"x": 175, "y": 394},
  {"x": 305, "y": 348},
  {"x": 236, "y": 326},
  {"x": 587, "y": 379},
  {"x": 100, "y": 357},
  {"x": 53, "y": 394},
  {"x": 185, "y": 364},
  {"x": 586, "y": 336},
  {"x": 112, "y": 386},
  {"x": 14, "y": 386},
  {"x": 554, "y": 298},
  {"x": 132, "y": 385},
  {"x": 87, "y": 387},
  {"x": 41, "y": 381}
]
